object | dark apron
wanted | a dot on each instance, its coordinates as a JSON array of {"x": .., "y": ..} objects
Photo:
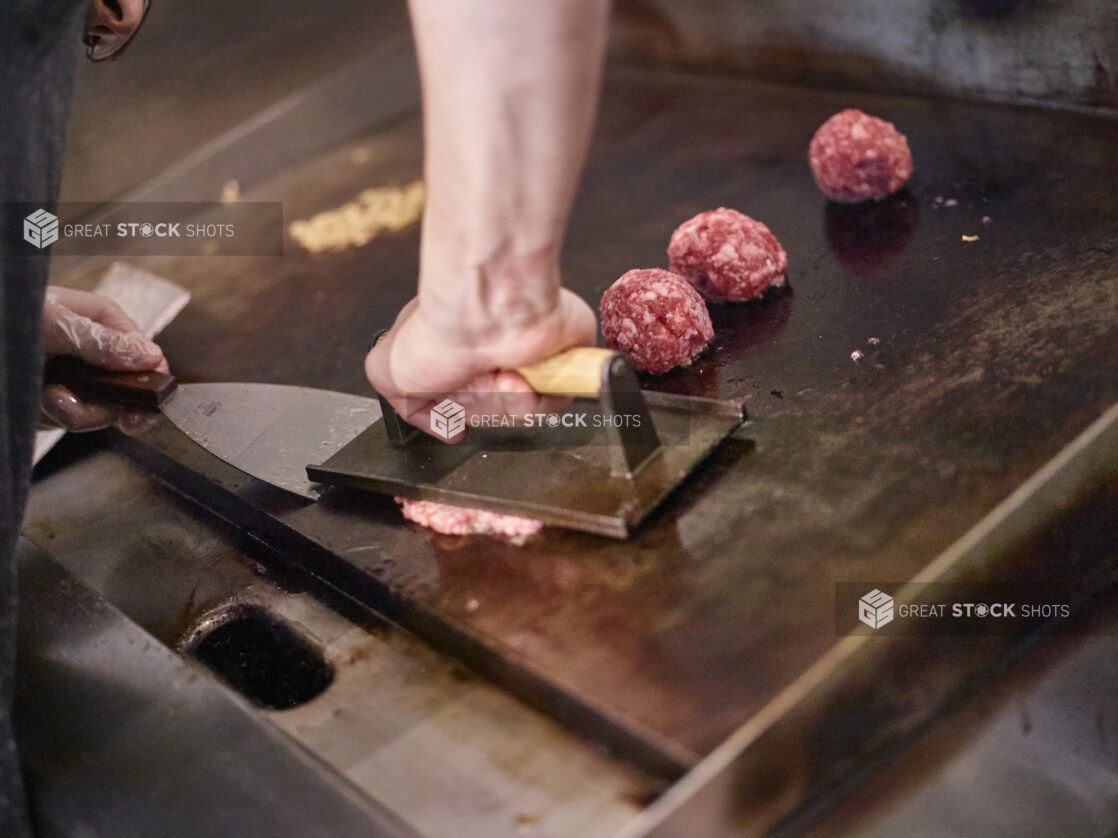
[{"x": 39, "y": 44}]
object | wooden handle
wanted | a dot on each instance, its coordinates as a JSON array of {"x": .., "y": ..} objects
[
  {"x": 127, "y": 389},
  {"x": 573, "y": 372}
]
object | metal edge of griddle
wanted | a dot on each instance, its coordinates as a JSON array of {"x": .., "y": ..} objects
[
  {"x": 755, "y": 765},
  {"x": 68, "y": 750},
  {"x": 623, "y": 738}
]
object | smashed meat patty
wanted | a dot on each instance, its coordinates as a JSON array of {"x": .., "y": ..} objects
[{"x": 458, "y": 520}]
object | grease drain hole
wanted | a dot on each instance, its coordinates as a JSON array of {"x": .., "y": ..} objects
[{"x": 261, "y": 658}]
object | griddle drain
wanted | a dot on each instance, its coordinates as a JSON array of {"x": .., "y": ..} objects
[{"x": 260, "y": 657}]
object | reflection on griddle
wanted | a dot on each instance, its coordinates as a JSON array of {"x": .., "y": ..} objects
[{"x": 867, "y": 236}]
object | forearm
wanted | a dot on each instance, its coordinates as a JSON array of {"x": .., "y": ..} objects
[{"x": 510, "y": 91}]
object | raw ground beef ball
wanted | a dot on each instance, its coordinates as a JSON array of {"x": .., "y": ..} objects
[
  {"x": 727, "y": 255},
  {"x": 856, "y": 157},
  {"x": 457, "y": 520},
  {"x": 656, "y": 319}
]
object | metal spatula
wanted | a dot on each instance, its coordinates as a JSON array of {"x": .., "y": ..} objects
[
  {"x": 267, "y": 430},
  {"x": 638, "y": 446}
]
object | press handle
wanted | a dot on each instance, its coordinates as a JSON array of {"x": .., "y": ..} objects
[
  {"x": 577, "y": 371},
  {"x": 146, "y": 389},
  {"x": 573, "y": 372}
]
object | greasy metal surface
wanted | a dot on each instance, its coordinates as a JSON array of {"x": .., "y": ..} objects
[
  {"x": 992, "y": 355},
  {"x": 119, "y": 736},
  {"x": 206, "y": 74},
  {"x": 871, "y": 694},
  {"x": 1060, "y": 53},
  {"x": 270, "y": 431},
  {"x": 447, "y": 752},
  {"x": 1034, "y": 754},
  {"x": 582, "y": 490},
  {"x": 261, "y": 511}
]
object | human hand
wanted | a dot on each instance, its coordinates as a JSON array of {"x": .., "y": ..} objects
[
  {"x": 509, "y": 94},
  {"x": 95, "y": 329},
  {"x": 420, "y": 360}
]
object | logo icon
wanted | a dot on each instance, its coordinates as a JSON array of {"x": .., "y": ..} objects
[
  {"x": 40, "y": 229},
  {"x": 875, "y": 609},
  {"x": 448, "y": 418}
]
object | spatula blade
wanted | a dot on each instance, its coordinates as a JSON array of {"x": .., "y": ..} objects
[{"x": 270, "y": 431}]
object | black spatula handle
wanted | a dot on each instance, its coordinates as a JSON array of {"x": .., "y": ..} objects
[{"x": 127, "y": 389}]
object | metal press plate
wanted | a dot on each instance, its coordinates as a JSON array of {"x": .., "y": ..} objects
[{"x": 567, "y": 486}]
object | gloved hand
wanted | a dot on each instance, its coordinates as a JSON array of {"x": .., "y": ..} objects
[{"x": 95, "y": 329}]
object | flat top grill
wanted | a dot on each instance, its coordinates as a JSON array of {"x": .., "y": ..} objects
[{"x": 988, "y": 356}]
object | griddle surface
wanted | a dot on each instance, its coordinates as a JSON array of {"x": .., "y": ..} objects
[{"x": 992, "y": 355}]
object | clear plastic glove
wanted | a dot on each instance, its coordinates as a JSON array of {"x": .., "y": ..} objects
[{"x": 95, "y": 329}]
